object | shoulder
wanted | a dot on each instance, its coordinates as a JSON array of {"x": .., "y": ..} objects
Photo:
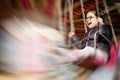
[{"x": 106, "y": 26}]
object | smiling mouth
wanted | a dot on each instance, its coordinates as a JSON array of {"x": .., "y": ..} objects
[{"x": 89, "y": 23}]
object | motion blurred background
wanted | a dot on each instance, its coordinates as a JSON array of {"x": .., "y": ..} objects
[{"x": 22, "y": 48}]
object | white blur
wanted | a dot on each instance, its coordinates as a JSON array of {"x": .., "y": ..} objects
[{"x": 28, "y": 47}]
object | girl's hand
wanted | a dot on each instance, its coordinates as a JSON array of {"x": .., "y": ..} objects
[
  {"x": 100, "y": 21},
  {"x": 70, "y": 34}
]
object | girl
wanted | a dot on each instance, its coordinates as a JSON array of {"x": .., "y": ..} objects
[{"x": 96, "y": 26}]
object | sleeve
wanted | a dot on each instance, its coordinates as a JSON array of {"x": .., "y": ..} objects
[
  {"x": 101, "y": 41},
  {"x": 75, "y": 38},
  {"x": 106, "y": 31}
]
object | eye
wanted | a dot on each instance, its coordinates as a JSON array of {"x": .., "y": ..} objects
[{"x": 90, "y": 17}]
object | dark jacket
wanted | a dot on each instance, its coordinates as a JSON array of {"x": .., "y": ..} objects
[{"x": 101, "y": 42}]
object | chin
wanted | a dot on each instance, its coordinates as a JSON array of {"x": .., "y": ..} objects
[{"x": 90, "y": 27}]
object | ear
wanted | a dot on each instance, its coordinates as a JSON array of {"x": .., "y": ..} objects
[{"x": 100, "y": 21}]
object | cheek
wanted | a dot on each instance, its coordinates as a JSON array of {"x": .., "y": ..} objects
[{"x": 94, "y": 23}]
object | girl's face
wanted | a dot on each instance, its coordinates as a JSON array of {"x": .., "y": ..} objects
[{"x": 91, "y": 20}]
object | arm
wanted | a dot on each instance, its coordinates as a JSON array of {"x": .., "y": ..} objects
[
  {"x": 105, "y": 29},
  {"x": 75, "y": 40}
]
